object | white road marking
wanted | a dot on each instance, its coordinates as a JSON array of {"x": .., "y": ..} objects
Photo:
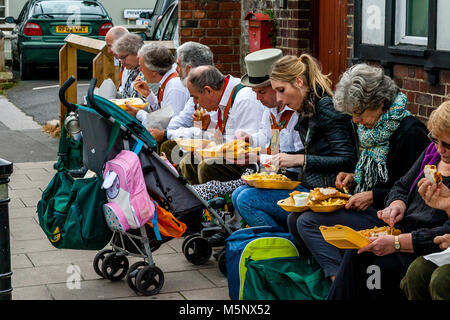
[{"x": 57, "y": 86}]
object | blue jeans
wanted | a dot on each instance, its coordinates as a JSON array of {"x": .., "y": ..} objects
[
  {"x": 304, "y": 227},
  {"x": 258, "y": 207}
]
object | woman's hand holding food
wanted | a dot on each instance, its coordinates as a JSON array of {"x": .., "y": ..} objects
[
  {"x": 393, "y": 213},
  {"x": 380, "y": 246},
  {"x": 360, "y": 201},
  {"x": 284, "y": 160},
  {"x": 345, "y": 180},
  {"x": 436, "y": 196},
  {"x": 141, "y": 87}
]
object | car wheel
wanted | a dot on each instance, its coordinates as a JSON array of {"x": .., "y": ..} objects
[{"x": 25, "y": 69}]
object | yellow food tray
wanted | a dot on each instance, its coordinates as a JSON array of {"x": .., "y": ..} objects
[
  {"x": 321, "y": 208},
  {"x": 273, "y": 184},
  {"x": 288, "y": 204},
  {"x": 193, "y": 144},
  {"x": 343, "y": 237},
  {"x": 137, "y": 103}
]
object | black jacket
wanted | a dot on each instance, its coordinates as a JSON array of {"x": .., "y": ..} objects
[
  {"x": 405, "y": 145},
  {"x": 423, "y": 222},
  {"x": 329, "y": 147}
]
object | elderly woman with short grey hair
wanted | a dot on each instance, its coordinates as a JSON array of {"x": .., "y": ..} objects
[
  {"x": 126, "y": 48},
  {"x": 390, "y": 138}
]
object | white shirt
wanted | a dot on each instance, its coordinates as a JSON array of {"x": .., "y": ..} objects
[
  {"x": 246, "y": 114},
  {"x": 289, "y": 137},
  {"x": 123, "y": 80},
  {"x": 175, "y": 95}
]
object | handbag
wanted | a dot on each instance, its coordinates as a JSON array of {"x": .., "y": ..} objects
[
  {"x": 167, "y": 225},
  {"x": 287, "y": 278},
  {"x": 70, "y": 211}
]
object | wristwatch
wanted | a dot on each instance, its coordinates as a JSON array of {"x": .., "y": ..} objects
[{"x": 397, "y": 246}]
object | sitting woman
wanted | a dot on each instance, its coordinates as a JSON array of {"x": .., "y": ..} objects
[
  {"x": 329, "y": 141},
  {"x": 391, "y": 141},
  {"x": 409, "y": 210},
  {"x": 126, "y": 48}
]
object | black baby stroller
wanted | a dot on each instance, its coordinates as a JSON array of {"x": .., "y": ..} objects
[{"x": 164, "y": 185}]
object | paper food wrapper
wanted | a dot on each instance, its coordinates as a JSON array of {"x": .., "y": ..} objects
[
  {"x": 439, "y": 258},
  {"x": 160, "y": 118},
  {"x": 107, "y": 89}
]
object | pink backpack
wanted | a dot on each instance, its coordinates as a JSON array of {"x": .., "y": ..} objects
[{"x": 129, "y": 204}]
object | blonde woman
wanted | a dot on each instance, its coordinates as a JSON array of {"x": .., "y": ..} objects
[{"x": 328, "y": 137}]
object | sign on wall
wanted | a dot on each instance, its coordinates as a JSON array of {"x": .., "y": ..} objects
[
  {"x": 134, "y": 13},
  {"x": 373, "y": 22}
]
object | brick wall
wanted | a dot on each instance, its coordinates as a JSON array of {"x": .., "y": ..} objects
[
  {"x": 216, "y": 24},
  {"x": 295, "y": 24},
  {"x": 423, "y": 98}
]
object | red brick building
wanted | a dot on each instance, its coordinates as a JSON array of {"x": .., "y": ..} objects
[{"x": 338, "y": 33}]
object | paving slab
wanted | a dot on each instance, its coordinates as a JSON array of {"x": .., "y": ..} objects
[
  {"x": 206, "y": 294},
  {"x": 40, "y": 270},
  {"x": 92, "y": 290},
  {"x": 32, "y": 293}
]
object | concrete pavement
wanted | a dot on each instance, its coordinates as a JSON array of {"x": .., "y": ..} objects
[{"x": 42, "y": 272}]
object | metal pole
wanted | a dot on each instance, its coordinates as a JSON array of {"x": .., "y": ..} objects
[{"x": 6, "y": 169}]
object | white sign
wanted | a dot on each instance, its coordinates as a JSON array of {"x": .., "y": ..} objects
[
  {"x": 373, "y": 21},
  {"x": 134, "y": 13}
]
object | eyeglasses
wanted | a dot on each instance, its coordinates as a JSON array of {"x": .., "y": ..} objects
[
  {"x": 436, "y": 141},
  {"x": 124, "y": 57}
]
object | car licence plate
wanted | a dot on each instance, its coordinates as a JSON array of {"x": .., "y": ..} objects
[{"x": 73, "y": 29}]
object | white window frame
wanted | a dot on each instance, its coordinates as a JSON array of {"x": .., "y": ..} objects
[
  {"x": 6, "y": 6},
  {"x": 400, "y": 27}
]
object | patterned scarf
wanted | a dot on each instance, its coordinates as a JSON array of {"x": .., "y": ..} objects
[
  {"x": 308, "y": 108},
  {"x": 371, "y": 168},
  {"x": 128, "y": 90}
]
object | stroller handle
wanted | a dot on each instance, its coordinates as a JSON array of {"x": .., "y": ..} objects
[
  {"x": 90, "y": 96},
  {"x": 62, "y": 93}
]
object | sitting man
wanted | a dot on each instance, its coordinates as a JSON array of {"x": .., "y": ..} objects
[
  {"x": 239, "y": 116},
  {"x": 189, "y": 55},
  {"x": 157, "y": 64}
]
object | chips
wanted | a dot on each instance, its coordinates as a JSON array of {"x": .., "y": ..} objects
[
  {"x": 266, "y": 176},
  {"x": 379, "y": 231}
]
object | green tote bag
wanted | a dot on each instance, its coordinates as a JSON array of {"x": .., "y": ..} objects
[
  {"x": 71, "y": 215},
  {"x": 290, "y": 278},
  {"x": 70, "y": 211}
]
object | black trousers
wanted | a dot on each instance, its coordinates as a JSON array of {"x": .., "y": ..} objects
[{"x": 369, "y": 277}]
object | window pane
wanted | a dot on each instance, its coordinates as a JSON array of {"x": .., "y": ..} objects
[
  {"x": 172, "y": 25},
  {"x": 2, "y": 3},
  {"x": 417, "y": 18}
]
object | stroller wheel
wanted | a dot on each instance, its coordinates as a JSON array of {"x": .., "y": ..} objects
[
  {"x": 115, "y": 266},
  {"x": 149, "y": 280},
  {"x": 132, "y": 273},
  {"x": 221, "y": 260},
  {"x": 98, "y": 260},
  {"x": 187, "y": 239},
  {"x": 197, "y": 250}
]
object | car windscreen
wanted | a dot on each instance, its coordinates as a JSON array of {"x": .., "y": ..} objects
[{"x": 65, "y": 8}]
